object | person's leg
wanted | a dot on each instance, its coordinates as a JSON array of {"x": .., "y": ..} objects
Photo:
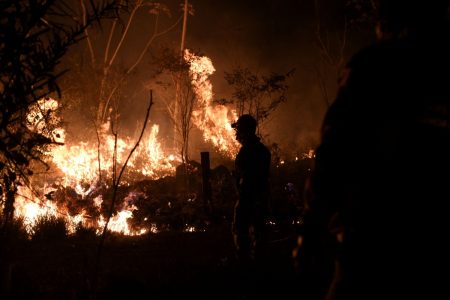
[
  {"x": 258, "y": 233},
  {"x": 241, "y": 234}
]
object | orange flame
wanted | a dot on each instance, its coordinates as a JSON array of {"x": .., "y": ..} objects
[
  {"x": 31, "y": 208},
  {"x": 213, "y": 120},
  {"x": 79, "y": 162}
]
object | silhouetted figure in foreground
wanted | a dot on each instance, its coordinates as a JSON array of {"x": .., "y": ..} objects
[
  {"x": 252, "y": 175},
  {"x": 380, "y": 185}
]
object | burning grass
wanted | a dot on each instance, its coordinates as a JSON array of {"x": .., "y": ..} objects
[
  {"x": 146, "y": 206},
  {"x": 173, "y": 263},
  {"x": 170, "y": 203}
]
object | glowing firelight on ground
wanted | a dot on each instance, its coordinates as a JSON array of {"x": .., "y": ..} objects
[
  {"x": 78, "y": 166},
  {"x": 31, "y": 208},
  {"x": 81, "y": 164}
]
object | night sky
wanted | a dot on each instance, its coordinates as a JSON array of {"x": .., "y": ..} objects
[{"x": 273, "y": 36}]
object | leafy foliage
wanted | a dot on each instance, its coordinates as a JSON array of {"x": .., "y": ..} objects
[
  {"x": 84, "y": 232},
  {"x": 34, "y": 36},
  {"x": 258, "y": 95},
  {"x": 49, "y": 227},
  {"x": 16, "y": 229},
  {"x": 362, "y": 11},
  {"x": 172, "y": 71}
]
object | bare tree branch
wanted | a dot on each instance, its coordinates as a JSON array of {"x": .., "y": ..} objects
[
  {"x": 116, "y": 182},
  {"x": 88, "y": 38},
  {"x": 136, "y": 63}
]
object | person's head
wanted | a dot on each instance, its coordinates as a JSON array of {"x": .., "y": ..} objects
[
  {"x": 245, "y": 128},
  {"x": 397, "y": 18}
]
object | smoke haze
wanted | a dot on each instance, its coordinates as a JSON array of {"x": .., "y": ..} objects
[{"x": 264, "y": 36}]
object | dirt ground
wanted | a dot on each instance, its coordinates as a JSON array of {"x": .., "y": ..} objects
[{"x": 170, "y": 265}]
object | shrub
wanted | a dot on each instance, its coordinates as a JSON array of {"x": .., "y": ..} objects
[
  {"x": 49, "y": 227},
  {"x": 84, "y": 232},
  {"x": 15, "y": 230}
]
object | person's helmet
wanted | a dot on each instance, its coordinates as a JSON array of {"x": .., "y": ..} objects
[{"x": 245, "y": 122}]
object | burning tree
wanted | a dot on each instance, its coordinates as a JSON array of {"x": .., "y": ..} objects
[
  {"x": 34, "y": 36},
  {"x": 180, "y": 100},
  {"x": 186, "y": 103},
  {"x": 184, "y": 85}
]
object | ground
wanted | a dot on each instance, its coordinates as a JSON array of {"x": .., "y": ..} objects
[{"x": 170, "y": 265}]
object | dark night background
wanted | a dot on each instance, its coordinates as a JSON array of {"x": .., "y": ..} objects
[
  {"x": 265, "y": 36},
  {"x": 66, "y": 169}
]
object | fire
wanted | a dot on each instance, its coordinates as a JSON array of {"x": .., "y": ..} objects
[
  {"x": 310, "y": 154},
  {"x": 80, "y": 162},
  {"x": 157, "y": 162},
  {"x": 85, "y": 166},
  {"x": 31, "y": 208},
  {"x": 80, "y": 165},
  {"x": 213, "y": 120},
  {"x": 119, "y": 223},
  {"x": 42, "y": 118}
]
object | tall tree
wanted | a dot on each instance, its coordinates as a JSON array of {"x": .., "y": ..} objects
[
  {"x": 180, "y": 100},
  {"x": 258, "y": 95},
  {"x": 332, "y": 42},
  {"x": 103, "y": 77}
]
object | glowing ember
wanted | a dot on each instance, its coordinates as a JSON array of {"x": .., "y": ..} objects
[
  {"x": 310, "y": 154},
  {"x": 190, "y": 229}
]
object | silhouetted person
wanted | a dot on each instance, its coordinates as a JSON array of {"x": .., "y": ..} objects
[
  {"x": 381, "y": 181},
  {"x": 252, "y": 174}
]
